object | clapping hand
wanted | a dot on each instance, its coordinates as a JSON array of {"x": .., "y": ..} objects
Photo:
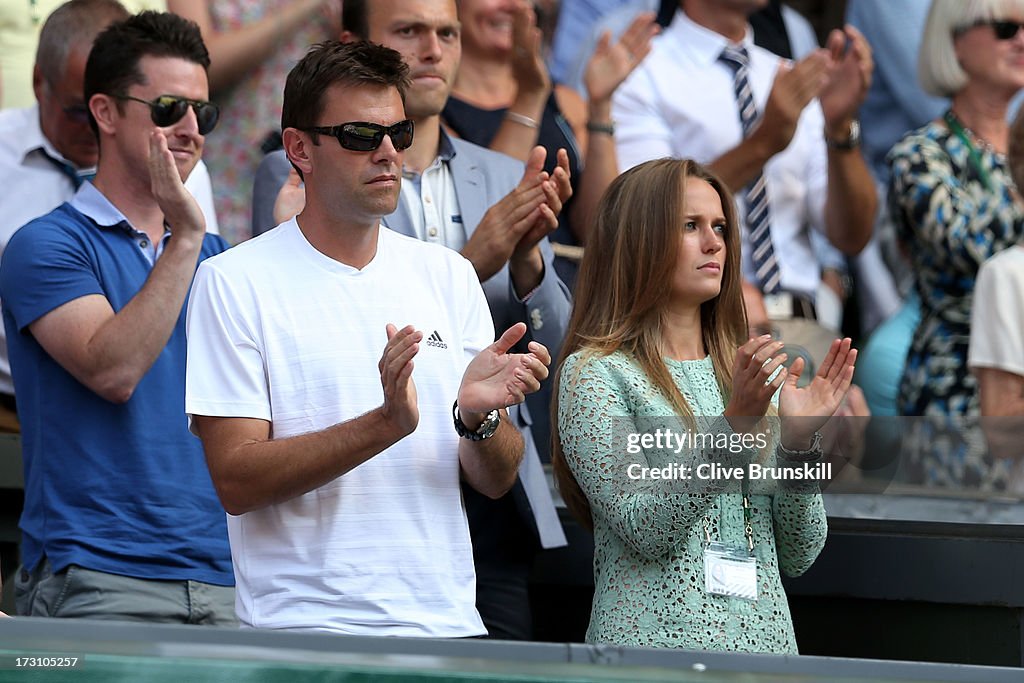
[
  {"x": 612, "y": 63},
  {"x": 528, "y": 66},
  {"x": 497, "y": 379},
  {"x": 401, "y": 407},
  {"x": 851, "y": 66},
  {"x": 752, "y": 383},
  {"x": 815, "y": 403}
]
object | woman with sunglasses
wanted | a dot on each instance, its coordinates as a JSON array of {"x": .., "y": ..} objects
[
  {"x": 657, "y": 341},
  {"x": 953, "y": 203}
]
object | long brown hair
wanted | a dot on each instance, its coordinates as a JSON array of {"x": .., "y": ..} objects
[{"x": 622, "y": 290}]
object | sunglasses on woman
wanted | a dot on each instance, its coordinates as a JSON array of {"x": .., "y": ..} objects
[
  {"x": 361, "y": 136},
  {"x": 1003, "y": 30},
  {"x": 167, "y": 110}
]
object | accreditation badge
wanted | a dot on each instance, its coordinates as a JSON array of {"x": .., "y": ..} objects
[{"x": 730, "y": 570}]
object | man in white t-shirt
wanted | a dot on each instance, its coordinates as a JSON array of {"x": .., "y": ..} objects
[{"x": 337, "y": 461}]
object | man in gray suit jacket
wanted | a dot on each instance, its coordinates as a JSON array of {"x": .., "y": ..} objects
[{"x": 498, "y": 215}]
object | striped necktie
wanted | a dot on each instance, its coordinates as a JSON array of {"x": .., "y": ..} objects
[
  {"x": 758, "y": 213},
  {"x": 74, "y": 175}
]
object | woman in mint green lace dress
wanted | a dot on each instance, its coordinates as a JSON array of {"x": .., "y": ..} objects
[{"x": 657, "y": 340}]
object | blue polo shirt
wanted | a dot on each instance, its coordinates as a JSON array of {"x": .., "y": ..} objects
[{"x": 122, "y": 488}]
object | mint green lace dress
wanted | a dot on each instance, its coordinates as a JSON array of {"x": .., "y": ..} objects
[{"x": 649, "y": 535}]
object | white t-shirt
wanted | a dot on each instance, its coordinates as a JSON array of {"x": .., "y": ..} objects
[
  {"x": 997, "y": 314},
  {"x": 278, "y": 331}
]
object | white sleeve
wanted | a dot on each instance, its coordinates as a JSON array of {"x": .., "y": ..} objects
[
  {"x": 199, "y": 184},
  {"x": 812, "y": 125},
  {"x": 997, "y": 316},
  {"x": 641, "y": 131},
  {"x": 224, "y": 375},
  {"x": 478, "y": 328}
]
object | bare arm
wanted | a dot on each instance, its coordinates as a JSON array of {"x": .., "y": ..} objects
[
  {"x": 1002, "y": 410},
  {"x": 110, "y": 352},
  {"x": 252, "y": 470},
  {"x": 234, "y": 53},
  {"x": 793, "y": 89},
  {"x": 498, "y": 378},
  {"x": 609, "y": 66},
  {"x": 515, "y": 137},
  {"x": 851, "y": 198}
]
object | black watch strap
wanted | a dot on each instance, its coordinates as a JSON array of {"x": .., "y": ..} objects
[{"x": 486, "y": 429}]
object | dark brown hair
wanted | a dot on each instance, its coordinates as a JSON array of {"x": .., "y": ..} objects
[{"x": 334, "y": 63}]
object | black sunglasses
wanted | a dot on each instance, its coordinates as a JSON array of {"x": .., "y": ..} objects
[
  {"x": 1003, "y": 30},
  {"x": 79, "y": 113},
  {"x": 361, "y": 136},
  {"x": 167, "y": 110}
]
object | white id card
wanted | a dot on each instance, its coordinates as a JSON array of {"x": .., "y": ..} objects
[{"x": 730, "y": 571}]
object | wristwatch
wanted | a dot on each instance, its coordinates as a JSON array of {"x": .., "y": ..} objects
[
  {"x": 484, "y": 431},
  {"x": 851, "y": 142}
]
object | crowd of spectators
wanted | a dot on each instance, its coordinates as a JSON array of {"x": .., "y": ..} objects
[{"x": 242, "y": 220}]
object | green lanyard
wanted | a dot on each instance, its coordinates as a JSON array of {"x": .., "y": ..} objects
[
  {"x": 972, "y": 153},
  {"x": 748, "y": 520},
  {"x": 748, "y": 516}
]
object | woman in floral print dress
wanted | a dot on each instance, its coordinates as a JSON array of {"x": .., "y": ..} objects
[{"x": 951, "y": 194}]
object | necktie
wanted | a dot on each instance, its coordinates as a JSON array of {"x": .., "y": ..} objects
[
  {"x": 758, "y": 212},
  {"x": 74, "y": 175}
]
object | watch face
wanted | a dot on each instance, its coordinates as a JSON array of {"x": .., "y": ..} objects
[{"x": 490, "y": 423}]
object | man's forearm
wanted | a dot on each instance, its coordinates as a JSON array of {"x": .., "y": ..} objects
[
  {"x": 526, "y": 271},
  {"x": 491, "y": 466},
  {"x": 602, "y": 168},
  {"x": 122, "y": 349},
  {"x": 258, "y": 471},
  {"x": 741, "y": 164},
  {"x": 851, "y": 201}
]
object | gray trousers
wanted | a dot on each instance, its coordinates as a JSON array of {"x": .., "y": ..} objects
[{"x": 80, "y": 593}]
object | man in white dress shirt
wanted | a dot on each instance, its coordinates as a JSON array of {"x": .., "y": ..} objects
[
  {"x": 682, "y": 102},
  {"x": 48, "y": 149}
]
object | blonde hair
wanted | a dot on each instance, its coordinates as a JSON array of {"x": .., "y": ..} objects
[
  {"x": 938, "y": 69},
  {"x": 623, "y": 291}
]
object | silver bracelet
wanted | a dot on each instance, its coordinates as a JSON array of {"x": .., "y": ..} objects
[
  {"x": 521, "y": 119},
  {"x": 809, "y": 455}
]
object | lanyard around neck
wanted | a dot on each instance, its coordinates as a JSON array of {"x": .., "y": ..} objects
[
  {"x": 748, "y": 519},
  {"x": 972, "y": 152}
]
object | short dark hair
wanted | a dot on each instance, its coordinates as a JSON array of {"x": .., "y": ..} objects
[
  {"x": 354, "y": 18},
  {"x": 113, "y": 65},
  {"x": 70, "y": 27},
  {"x": 334, "y": 63}
]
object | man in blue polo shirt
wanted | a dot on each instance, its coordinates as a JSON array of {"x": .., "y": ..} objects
[{"x": 121, "y": 520}]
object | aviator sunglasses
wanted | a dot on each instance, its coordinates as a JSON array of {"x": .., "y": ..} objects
[
  {"x": 167, "y": 110},
  {"x": 361, "y": 136},
  {"x": 1003, "y": 30}
]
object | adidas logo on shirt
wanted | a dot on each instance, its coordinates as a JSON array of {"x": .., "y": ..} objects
[{"x": 435, "y": 340}]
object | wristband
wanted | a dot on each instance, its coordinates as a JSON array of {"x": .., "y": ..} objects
[{"x": 598, "y": 127}]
